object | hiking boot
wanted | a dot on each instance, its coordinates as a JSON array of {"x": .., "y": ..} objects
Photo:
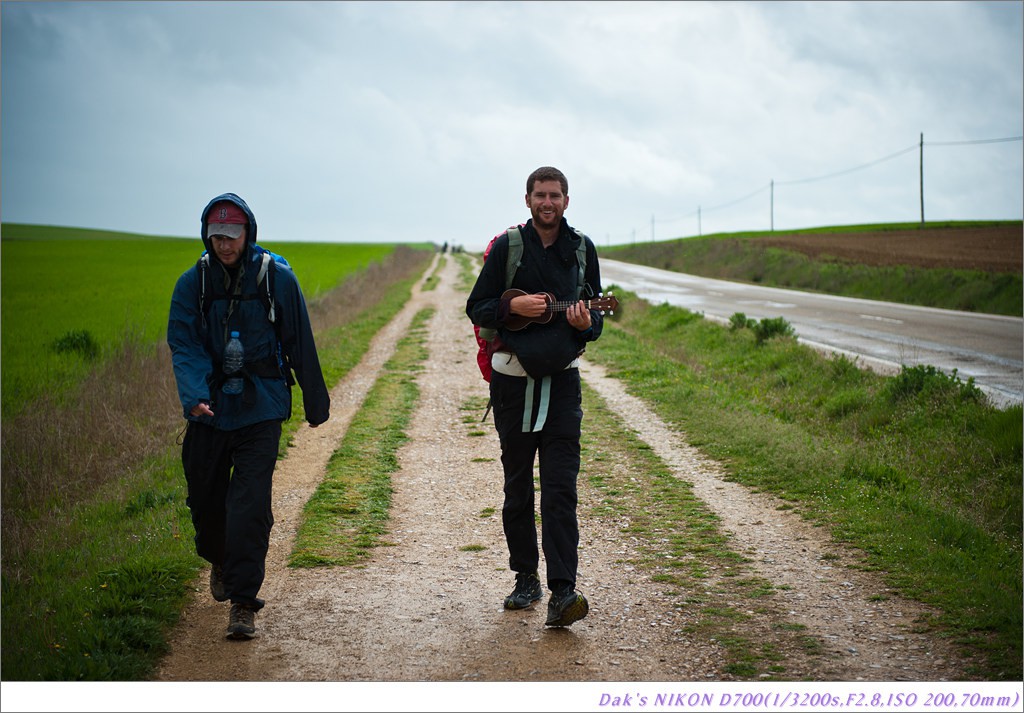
[
  {"x": 242, "y": 622},
  {"x": 565, "y": 607},
  {"x": 217, "y": 583},
  {"x": 527, "y": 591}
]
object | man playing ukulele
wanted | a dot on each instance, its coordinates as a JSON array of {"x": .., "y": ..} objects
[{"x": 544, "y": 320}]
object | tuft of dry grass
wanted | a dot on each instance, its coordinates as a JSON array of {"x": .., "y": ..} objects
[
  {"x": 365, "y": 288},
  {"x": 57, "y": 453}
]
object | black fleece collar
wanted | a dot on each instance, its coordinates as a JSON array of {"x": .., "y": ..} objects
[{"x": 566, "y": 244}]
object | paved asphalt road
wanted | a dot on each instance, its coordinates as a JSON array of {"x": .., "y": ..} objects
[{"x": 881, "y": 335}]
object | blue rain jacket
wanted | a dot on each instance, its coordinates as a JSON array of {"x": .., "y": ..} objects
[{"x": 197, "y": 344}]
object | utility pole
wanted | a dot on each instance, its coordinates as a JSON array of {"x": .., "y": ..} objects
[
  {"x": 921, "y": 171},
  {"x": 652, "y": 227},
  {"x": 698, "y": 221},
  {"x": 771, "y": 206}
]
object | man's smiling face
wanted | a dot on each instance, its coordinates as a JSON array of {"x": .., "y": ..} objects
[{"x": 547, "y": 204}]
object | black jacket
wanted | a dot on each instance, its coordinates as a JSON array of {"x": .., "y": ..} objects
[{"x": 542, "y": 349}]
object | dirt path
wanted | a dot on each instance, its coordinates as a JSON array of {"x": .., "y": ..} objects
[{"x": 424, "y": 610}]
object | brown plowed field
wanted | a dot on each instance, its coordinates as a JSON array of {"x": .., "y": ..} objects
[{"x": 995, "y": 248}]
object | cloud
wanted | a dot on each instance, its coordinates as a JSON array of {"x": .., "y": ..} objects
[{"x": 398, "y": 120}]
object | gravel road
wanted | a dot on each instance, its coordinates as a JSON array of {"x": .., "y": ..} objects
[{"x": 424, "y": 610}]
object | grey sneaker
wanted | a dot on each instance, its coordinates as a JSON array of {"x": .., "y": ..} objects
[
  {"x": 217, "y": 583},
  {"x": 242, "y": 622},
  {"x": 527, "y": 591},
  {"x": 565, "y": 607}
]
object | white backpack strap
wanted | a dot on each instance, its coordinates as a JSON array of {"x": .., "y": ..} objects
[
  {"x": 581, "y": 263},
  {"x": 204, "y": 265},
  {"x": 261, "y": 279}
]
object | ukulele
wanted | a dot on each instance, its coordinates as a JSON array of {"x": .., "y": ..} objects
[{"x": 606, "y": 304}]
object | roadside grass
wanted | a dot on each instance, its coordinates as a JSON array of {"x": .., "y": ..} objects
[
  {"x": 347, "y": 514},
  {"x": 98, "y": 557},
  {"x": 95, "y": 603},
  {"x": 467, "y": 271},
  {"x": 742, "y": 258},
  {"x": 916, "y": 470}
]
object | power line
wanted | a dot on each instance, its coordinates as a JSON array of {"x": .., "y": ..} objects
[
  {"x": 738, "y": 200},
  {"x": 975, "y": 141},
  {"x": 901, "y": 152},
  {"x": 849, "y": 170},
  {"x": 898, "y": 153},
  {"x": 679, "y": 217}
]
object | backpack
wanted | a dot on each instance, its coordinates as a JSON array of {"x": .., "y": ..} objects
[
  {"x": 265, "y": 293},
  {"x": 264, "y": 281},
  {"x": 485, "y": 335}
]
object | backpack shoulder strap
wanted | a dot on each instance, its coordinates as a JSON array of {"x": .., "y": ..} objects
[
  {"x": 512, "y": 262},
  {"x": 264, "y": 282},
  {"x": 515, "y": 254},
  {"x": 265, "y": 277},
  {"x": 204, "y": 266},
  {"x": 581, "y": 261}
]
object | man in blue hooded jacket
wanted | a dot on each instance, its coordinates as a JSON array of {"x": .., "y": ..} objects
[{"x": 232, "y": 440}]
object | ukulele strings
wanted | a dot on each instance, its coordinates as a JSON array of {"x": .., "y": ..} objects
[{"x": 562, "y": 306}]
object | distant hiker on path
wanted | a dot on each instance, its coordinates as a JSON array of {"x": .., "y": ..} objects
[
  {"x": 535, "y": 386},
  {"x": 231, "y": 442}
]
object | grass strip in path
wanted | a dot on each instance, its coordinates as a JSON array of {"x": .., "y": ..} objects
[
  {"x": 682, "y": 547},
  {"x": 347, "y": 514}
]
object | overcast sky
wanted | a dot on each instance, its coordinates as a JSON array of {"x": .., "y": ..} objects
[{"x": 381, "y": 121}]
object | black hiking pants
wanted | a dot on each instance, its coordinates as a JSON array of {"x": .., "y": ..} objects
[
  {"x": 556, "y": 447},
  {"x": 229, "y": 476}
]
